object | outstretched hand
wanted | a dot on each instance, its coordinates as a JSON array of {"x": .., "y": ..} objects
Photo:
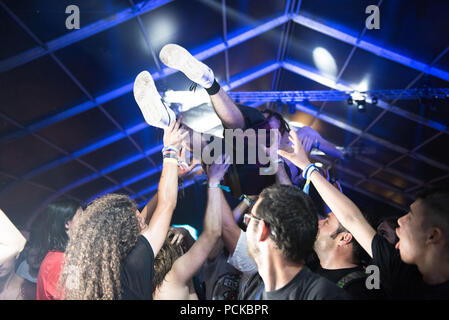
[
  {"x": 174, "y": 135},
  {"x": 308, "y": 138},
  {"x": 298, "y": 156},
  {"x": 217, "y": 170}
]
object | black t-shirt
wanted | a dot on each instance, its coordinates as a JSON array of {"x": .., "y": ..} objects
[
  {"x": 306, "y": 285},
  {"x": 356, "y": 286},
  {"x": 137, "y": 272},
  {"x": 401, "y": 280},
  {"x": 246, "y": 178}
]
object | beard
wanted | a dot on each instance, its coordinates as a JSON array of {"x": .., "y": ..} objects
[{"x": 251, "y": 248}]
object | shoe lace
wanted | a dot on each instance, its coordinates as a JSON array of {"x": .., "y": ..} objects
[
  {"x": 165, "y": 103},
  {"x": 193, "y": 86}
]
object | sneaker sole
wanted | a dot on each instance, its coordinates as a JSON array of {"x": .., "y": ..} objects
[
  {"x": 178, "y": 58},
  {"x": 148, "y": 98}
]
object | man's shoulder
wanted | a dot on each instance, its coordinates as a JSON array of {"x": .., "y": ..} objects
[{"x": 319, "y": 288}]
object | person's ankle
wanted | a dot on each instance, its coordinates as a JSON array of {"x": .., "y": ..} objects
[{"x": 213, "y": 89}]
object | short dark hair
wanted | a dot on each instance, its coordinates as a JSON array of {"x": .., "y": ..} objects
[
  {"x": 283, "y": 127},
  {"x": 436, "y": 213},
  {"x": 292, "y": 218},
  {"x": 359, "y": 255}
]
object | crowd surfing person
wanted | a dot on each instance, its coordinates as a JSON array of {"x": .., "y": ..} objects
[{"x": 112, "y": 251}]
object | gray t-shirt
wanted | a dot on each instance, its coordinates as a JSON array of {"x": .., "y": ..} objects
[{"x": 221, "y": 280}]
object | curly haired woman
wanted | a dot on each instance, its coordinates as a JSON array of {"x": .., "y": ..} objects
[{"x": 110, "y": 256}]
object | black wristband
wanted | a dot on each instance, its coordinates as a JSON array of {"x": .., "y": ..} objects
[{"x": 214, "y": 89}]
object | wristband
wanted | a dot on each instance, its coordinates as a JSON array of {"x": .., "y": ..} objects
[
  {"x": 217, "y": 185},
  {"x": 170, "y": 155},
  {"x": 169, "y": 151},
  {"x": 306, "y": 175},
  {"x": 170, "y": 148},
  {"x": 213, "y": 89},
  {"x": 246, "y": 199}
]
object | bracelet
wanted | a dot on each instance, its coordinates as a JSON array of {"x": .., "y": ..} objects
[
  {"x": 306, "y": 174},
  {"x": 170, "y": 155},
  {"x": 246, "y": 199},
  {"x": 217, "y": 185},
  {"x": 170, "y": 148}
]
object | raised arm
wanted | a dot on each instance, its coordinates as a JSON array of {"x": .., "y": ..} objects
[
  {"x": 167, "y": 191},
  {"x": 309, "y": 138},
  {"x": 347, "y": 213},
  {"x": 183, "y": 171},
  {"x": 230, "y": 229},
  {"x": 187, "y": 265},
  {"x": 11, "y": 240},
  {"x": 148, "y": 210}
]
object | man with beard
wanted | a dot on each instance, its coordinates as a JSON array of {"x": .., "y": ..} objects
[
  {"x": 420, "y": 270},
  {"x": 281, "y": 231}
]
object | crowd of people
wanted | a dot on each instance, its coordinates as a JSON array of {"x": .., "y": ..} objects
[{"x": 294, "y": 236}]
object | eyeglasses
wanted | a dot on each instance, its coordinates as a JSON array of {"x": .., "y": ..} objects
[{"x": 247, "y": 217}]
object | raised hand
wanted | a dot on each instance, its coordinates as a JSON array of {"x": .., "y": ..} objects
[
  {"x": 216, "y": 171},
  {"x": 308, "y": 138},
  {"x": 298, "y": 156},
  {"x": 174, "y": 135}
]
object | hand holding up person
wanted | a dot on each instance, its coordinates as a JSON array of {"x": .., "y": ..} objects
[
  {"x": 298, "y": 156},
  {"x": 174, "y": 135},
  {"x": 309, "y": 138},
  {"x": 347, "y": 213},
  {"x": 216, "y": 171}
]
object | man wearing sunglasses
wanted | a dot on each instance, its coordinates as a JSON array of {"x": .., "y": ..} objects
[{"x": 281, "y": 231}]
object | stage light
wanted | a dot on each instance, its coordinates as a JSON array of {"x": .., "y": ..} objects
[
  {"x": 359, "y": 99},
  {"x": 193, "y": 232},
  {"x": 374, "y": 101},
  {"x": 325, "y": 62},
  {"x": 362, "y": 86},
  {"x": 162, "y": 30},
  {"x": 361, "y": 106}
]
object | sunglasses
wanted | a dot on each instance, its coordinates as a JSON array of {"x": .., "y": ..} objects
[{"x": 247, "y": 217}]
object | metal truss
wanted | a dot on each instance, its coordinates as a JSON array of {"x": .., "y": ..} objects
[
  {"x": 203, "y": 52},
  {"x": 335, "y": 95},
  {"x": 81, "y": 34},
  {"x": 238, "y": 80},
  {"x": 213, "y": 48}
]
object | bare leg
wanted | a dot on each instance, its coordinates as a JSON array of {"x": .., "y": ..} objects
[
  {"x": 177, "y": 57},
  {"x": 229, "y": 114}
]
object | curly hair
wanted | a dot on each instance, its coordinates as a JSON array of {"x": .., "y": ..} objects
[
  {"x": 292, "y": 219},
  {"x": 164, "y": 260},
  {"x": 107, "y": 231}
]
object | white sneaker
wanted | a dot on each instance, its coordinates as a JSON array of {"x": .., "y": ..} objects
[
  {"x": 155, "y": 112},
  {"x": 178, "y": 58}
]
